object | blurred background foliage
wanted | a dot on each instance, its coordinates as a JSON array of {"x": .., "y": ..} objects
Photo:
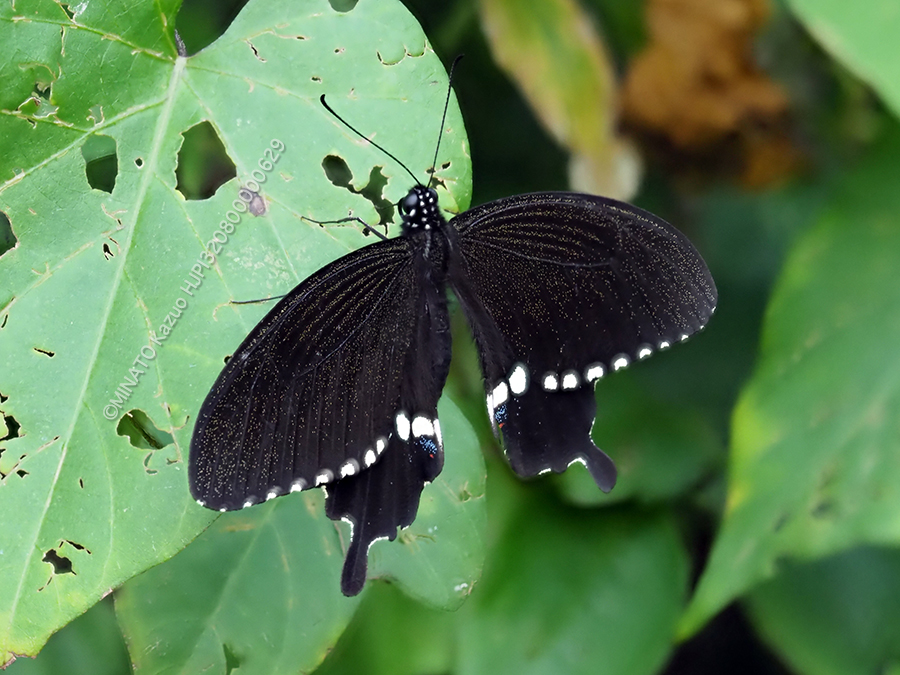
[{"x": 767, "y": 132}]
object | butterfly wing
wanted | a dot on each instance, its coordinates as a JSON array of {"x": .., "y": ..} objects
[
  {"x": 316, "y": 392},
  {"x": 414, "y": 455},
  {"x": 309, "y": 395},
  {"x": 559, "y": 289}
]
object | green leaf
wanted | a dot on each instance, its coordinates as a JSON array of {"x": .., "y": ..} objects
[
  {"x": 263, "y": 576},
  {"x": 94, "y": 276},
  {"x": 394, "y": 635},
  {"x": 863, "y": 36},
  {"x": 271, "y": 575},
  {"x": 814, "y": 466},
  {"x": 576, "y": 591},
  {"x": 660, "y": 451},
  {"x": 837, "y": 616},
  {"x": 91, "y": 645}
]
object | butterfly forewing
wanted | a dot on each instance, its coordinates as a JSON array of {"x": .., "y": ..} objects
[
  {"x": 573, "y": 279},
  {"x": 310, "y": 394}
]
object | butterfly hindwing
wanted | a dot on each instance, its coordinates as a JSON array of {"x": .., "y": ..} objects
[
  {"x": 379, "y": 500},
  {"x": 544, "y": 432},
  {"x": 559, "y": 289},
  {"x": 310, "y": 394}
]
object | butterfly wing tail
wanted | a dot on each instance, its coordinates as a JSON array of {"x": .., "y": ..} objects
[
  {"x": 549, "y": 431},
  {"x": 379, "y": 500}
]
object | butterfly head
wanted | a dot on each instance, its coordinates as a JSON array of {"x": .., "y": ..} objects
[{"x": 419, "y": 209}]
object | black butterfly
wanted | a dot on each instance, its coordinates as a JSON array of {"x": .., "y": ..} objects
[{"x": 338, "y": 385}]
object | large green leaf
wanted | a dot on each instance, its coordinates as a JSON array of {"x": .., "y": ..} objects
[
  {"x": 576, "y": 591},
  {"x": 266, "y": 576},
  {"x": 271, "y": 575},
  {"x": 94, "y": 276},
  {"x": 394, "y": 635},
  {"x": 863, "y": 36},
  {"x": 91, "y": 645},
  {"x": 838, "y": 616},
  {"x": 816, "y": 432}
]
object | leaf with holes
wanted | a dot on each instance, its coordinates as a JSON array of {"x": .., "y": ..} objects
[
  {"x": 192, "y": 611},
  {"x": 815, "y": 435},
  {"x": 110, "y": 307}
]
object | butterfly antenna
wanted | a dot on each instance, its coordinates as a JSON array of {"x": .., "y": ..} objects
[
  {"x": 369, "y": 140},
  {"x": 443, "y": 118}
]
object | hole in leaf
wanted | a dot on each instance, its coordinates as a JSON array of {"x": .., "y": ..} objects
[
  {"x": 61, "y": 564},
  {"x": 141, "y": 432},
  {"x": 227, "y": 358},
  {"x": 7, "y": 238},
  {"x": 21, "y": 473},
  {"x": 81, "y": 483},
  {"x": 203, "y": 164},
  {"x": 138, "y": 162},
  {"x": 107, "y": 252},
  {"x": 9, "y": 427},
  {"x": 337, "y": 171},
  {"x": 200, "y": 22},
  {"x": 316, "y": 78},
  {"x": 150, "y": 472},
  {"x": 42, "y": 90},
  {"x": 256, "y": 52},
  {"x": 69, "y": 12},
  {"x": 77, "y": 546},
  {"x": 44, "y": 352},
  {"x": 3, "y": 320},
  {"x": 95, "y": 114},
  {"x": 100, "y": 161},
  {"x": 342, "y": 5},
  {"x": 373, "y": 192}
]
